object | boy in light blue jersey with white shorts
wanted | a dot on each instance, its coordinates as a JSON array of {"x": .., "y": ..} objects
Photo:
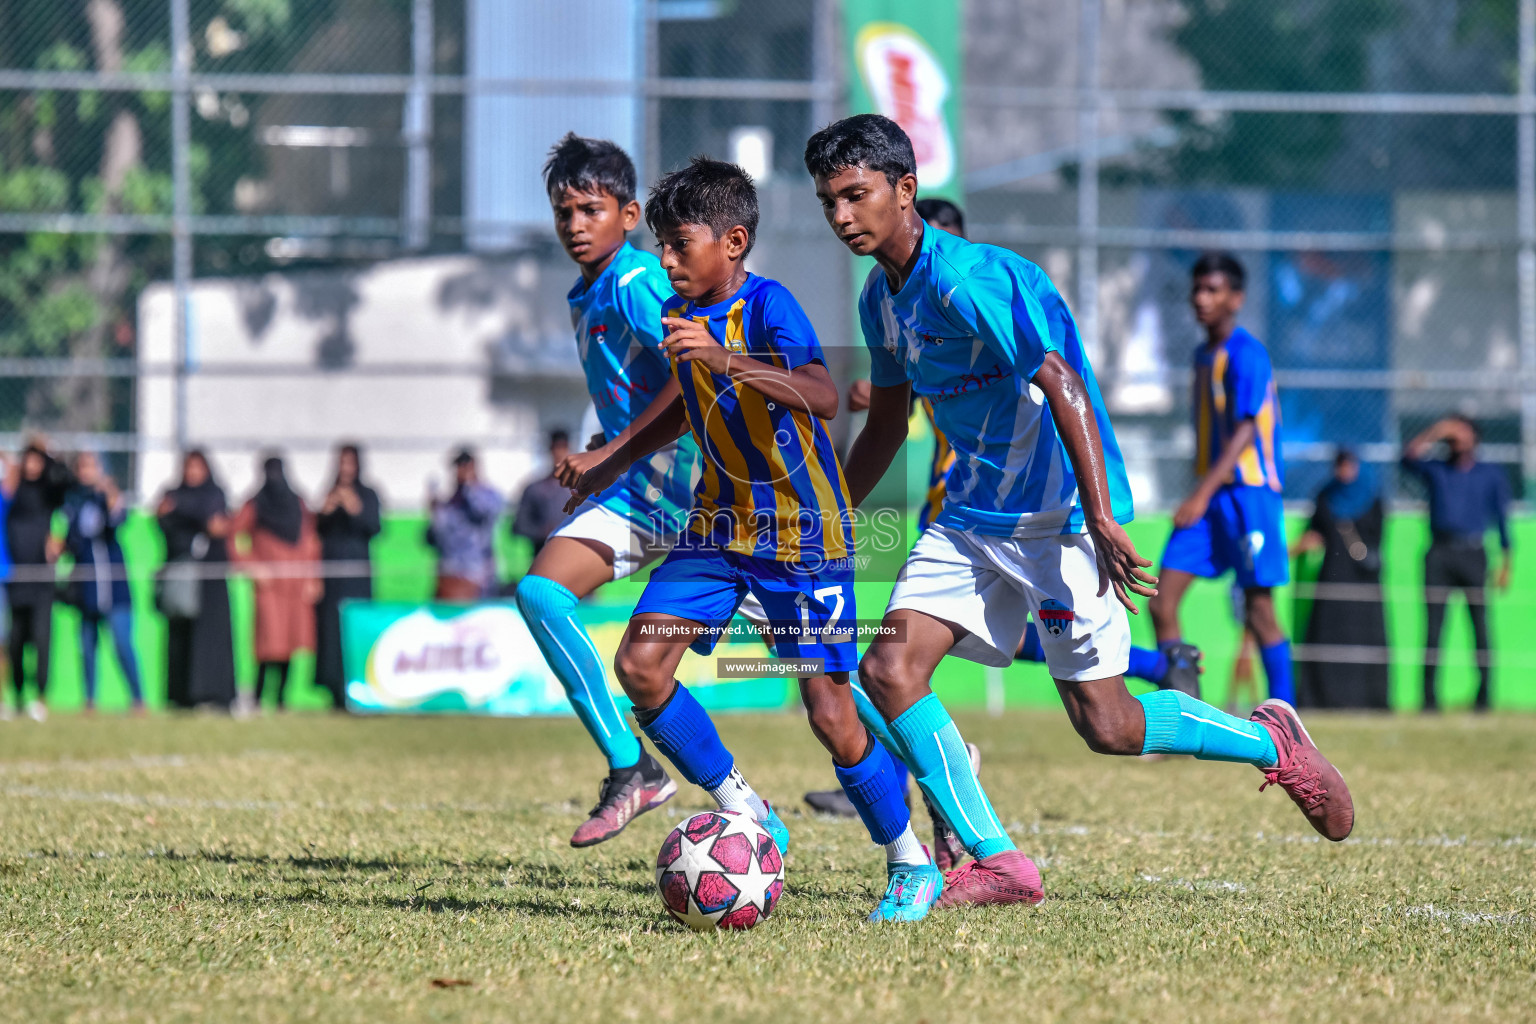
[
  {"x": 1032, "y": 519},
  {"x": 616, "y": 311}
]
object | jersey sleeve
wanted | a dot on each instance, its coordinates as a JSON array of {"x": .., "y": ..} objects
[
  {"x": 1248, "y": 378},
  {"x": 885, "y": 370},
  {"x": 642, "y": 300},
  {"x": 996, "y": 303},
  {"x": 788, "y": 329}
]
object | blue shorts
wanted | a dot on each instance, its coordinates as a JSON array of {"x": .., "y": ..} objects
[
  {"x": 812, "y": 612},
  {"x": 1242, "y": 530}
]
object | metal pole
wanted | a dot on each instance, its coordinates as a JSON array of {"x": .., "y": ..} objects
[
  {"x": 1088, "y": 175},
  {"x": 181, "y": 207},
  {"x": 650, "y": 148},
  {"x": 826, "y": 58},
  {"x": 1526, "y": 214},
  {"x": 415, "y": 228}
]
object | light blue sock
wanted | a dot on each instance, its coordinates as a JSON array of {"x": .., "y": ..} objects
[
  {"x": 1277, "y": 669},
  {"x": 1179, "y": 724},
  {"x": 934, "y": 751},
  {"x": 549, "y": 609},
  {"x": 1147, "y": 664},
  {"x": 875, "y": 723}
]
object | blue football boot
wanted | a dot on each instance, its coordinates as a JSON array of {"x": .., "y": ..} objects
[
  {"x": 775, "y": 826},
  {"x": 910, "y": 893}
]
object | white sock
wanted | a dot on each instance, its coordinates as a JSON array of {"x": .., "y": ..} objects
[
  {"x": 734, "y": 794},
  {"x": 905, "y": 849}
]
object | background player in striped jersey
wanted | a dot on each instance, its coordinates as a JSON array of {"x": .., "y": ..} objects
[
  {"x": 771, "y": 517},
  {"x": 1233, "y": 519},
  {"x": 616, "y": 311},
  {"x": 1031, "y": 522}
]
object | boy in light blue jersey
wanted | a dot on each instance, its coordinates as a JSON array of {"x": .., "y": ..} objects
[
  {"x": 616, "y": 311},
  {"x": 1032, "y": 521}
]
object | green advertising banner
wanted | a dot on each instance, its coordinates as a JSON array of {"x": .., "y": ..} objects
[
  {"x": 410, "y": 658},
  {"x": 905, "y": 64}
]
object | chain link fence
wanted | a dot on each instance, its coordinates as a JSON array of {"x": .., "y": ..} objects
[{"x": 1373, "y": 163}]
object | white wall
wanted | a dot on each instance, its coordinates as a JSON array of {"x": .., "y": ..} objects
[{"x": 410, "y": 358}]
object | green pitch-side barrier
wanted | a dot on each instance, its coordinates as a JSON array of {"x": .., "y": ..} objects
[{"x": 404, "y": 573}]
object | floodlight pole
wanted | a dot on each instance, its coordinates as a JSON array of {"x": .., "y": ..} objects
[
  {"x": 1088, "y": 176},
  {"x": 1526, "y": 215},
  {"x": 415, "y": 228},
  {"x": 181, "y": 208}
]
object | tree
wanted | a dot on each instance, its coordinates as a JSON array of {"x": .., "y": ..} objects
[
  {"x": 1271, "y": 46},
  {"x": 71, "y": 295}
]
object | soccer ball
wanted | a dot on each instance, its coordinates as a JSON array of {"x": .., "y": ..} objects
[{"x": 719, "y": 869}]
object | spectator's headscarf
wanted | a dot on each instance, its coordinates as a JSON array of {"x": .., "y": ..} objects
[
  {"x": 278, "y": 510},
  {"x": 1352, "y": 499},
  {"x": 200, "y": 501}
]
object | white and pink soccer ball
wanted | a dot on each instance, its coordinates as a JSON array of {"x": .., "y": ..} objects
[{"x": 719, "y": 869}]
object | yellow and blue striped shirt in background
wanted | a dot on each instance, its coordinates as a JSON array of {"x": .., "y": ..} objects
[
  {"x": 772, "y": 486},
  {"x": 938, "y": 472},
  {"x": 1233, "y": 382}
]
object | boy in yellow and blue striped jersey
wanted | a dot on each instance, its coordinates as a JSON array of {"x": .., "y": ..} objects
[
  {"x": 1233, "y": 519},
  {"x": 771, "y": 517}
]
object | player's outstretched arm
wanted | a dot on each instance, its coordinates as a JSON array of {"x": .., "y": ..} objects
[
  {"x": 1072, "y": 410},
  {"x": 573, "y": 465},
  {"x": 807, "y": 387},
  {"x": 1194, "y": 506},
  {"x": 885, "y": 431},
  {"x": 662, "y": 429}
]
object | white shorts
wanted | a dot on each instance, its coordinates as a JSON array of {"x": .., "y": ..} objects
[
  {"x": 989, "y": 586},
  {"x": 633, "y": 545}
]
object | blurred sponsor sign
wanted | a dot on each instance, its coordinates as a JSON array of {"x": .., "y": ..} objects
[
  {"x": 481, "y": 659},
  {"x": 907, "y": 57}
]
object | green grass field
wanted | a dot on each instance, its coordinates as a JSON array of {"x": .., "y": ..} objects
[{"x": 314, "y": 868}]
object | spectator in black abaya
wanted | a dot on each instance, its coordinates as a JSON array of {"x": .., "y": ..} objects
[
  {"x": 1346, "y": 634},
  {"x": 41, "y": 487},
  {"x": 1467, "y": 498},
  {"x": 348, "y": 521},
  {"x": 200, "y": 653}
]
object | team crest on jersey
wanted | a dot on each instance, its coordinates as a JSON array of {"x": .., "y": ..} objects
[
  {"x": 597, "y": 332},
  {"x": 1055, "y": 617}
]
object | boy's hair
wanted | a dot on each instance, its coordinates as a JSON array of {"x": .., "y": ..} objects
[
  {"x": 941, "y": 212},
  {"x": 589, "y": 165},
  {"x": 559, "y": 437},
  {"x": 1470, "y": 424},
  {"x": 872, "y": 140},
  {"x": 709, "y": 192},
  {"x": 1223, "y": 263}
]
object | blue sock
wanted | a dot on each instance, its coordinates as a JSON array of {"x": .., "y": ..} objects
[
  {"x": 550, "y": 611},
  {"x": 683, "y": 732},
  {"x": 1030, "y": 649},
  {"x": 1179, "y": 724},
  {"x": 1277, "y": 669},
  {"x": 875, "y": 723},
  {"x": 933, "y": 749},
  {"x": 871, "y": 785},
  {"x": 1148, "y": 665}
]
